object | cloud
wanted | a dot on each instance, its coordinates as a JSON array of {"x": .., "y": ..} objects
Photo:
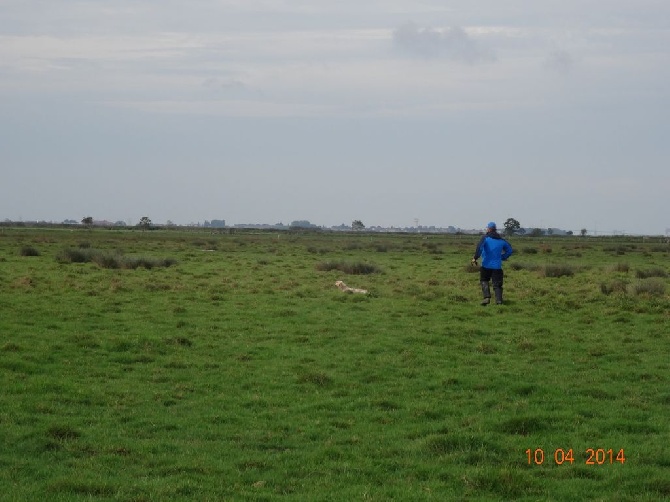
[
  {"x": 226, "y": 85},
  {"x": 559, "y": 61},
  {"x": 451, "y": 43}
]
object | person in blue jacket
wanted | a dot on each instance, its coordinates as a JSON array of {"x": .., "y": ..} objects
[{"x": 493, "y": 250}]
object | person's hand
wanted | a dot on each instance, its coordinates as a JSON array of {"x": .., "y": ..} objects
[{"x": 473, "y": 262}]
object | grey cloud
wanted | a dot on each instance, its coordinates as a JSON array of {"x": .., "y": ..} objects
[
  {"x": 559, "y": 61},
  {"x": 224, "y": 85},
  {"x": 452, "y": 43},
  {"x": 230, "y": 88}
]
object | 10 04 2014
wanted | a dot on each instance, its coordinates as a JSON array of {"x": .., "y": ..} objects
[{"x": 561, "y": 456}]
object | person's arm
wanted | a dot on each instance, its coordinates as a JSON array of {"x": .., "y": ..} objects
[
  {"x": 478, "y": 250},
  {"x": 507, "y": 251}
]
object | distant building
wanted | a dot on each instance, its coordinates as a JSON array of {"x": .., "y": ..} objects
[{"x": 215, "y": 224}]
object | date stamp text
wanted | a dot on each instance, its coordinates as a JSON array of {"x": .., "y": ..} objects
[{"x": 591, "y": 456}]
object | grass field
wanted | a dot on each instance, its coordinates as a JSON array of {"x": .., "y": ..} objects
[{"x": 168, "y": 365}]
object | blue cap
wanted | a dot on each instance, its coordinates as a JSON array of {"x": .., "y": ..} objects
[{"x": 491, "y": 224}]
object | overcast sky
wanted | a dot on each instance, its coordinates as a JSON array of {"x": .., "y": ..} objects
[{"x": 552, "y": 112}]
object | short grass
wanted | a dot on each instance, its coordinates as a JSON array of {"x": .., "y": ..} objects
[{"x": 239, "y": 371}]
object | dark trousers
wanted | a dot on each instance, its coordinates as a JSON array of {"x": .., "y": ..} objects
[{"x": 488, "y": 274}]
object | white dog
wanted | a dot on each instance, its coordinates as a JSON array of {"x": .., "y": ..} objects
[{"x": 346, "y": 289}]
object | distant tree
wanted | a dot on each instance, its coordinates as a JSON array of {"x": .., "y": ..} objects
[
  {"x": 357, "y": 225},
  {"x": 120, "y": 223},
  {"x": 87, "y": 220},
  {"x": 583, "y": 232},
  {"x": 302, "y": 224},
  {"x": 511, "y": 226},
  {"x": 550, "y": 231},
  {"x": 536, "y": 232},
  {"x": 144, "y": 223}
]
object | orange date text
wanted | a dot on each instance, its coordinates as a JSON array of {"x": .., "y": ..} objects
[{"x": 560, "y": 456}]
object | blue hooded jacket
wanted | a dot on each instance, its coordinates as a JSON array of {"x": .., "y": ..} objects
[{"x": 494, "y": 250}]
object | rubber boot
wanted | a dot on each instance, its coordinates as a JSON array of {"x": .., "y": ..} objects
[
  {"x": 498, "y": 293},
  {"x": 486, "y": 292}
]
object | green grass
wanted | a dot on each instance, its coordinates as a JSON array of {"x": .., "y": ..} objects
[{"x": 233, "y": 368}]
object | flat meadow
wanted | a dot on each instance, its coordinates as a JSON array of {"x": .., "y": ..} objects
[{"x": 189, "y": 365}]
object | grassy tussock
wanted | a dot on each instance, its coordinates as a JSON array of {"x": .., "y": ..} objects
[
  {"x": 531, "y": 267},
  {"x": 619, "y": 267},
  {"x": 651, "y": 272},
  {"x": 558, "y": 270},
  {"x": 617, "y": 250},
  {"x": 653, "y": 286},
  {"x": 614, "y": 286},
  {"x": 357, "y": 268},
  {"x": 548, "y": 269},
  {"x": 316, "y": 250},
  {"x": 29, "y": 251},
  {"x": 432, "y": 248},
  {"x": 111, "y": 260}
]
